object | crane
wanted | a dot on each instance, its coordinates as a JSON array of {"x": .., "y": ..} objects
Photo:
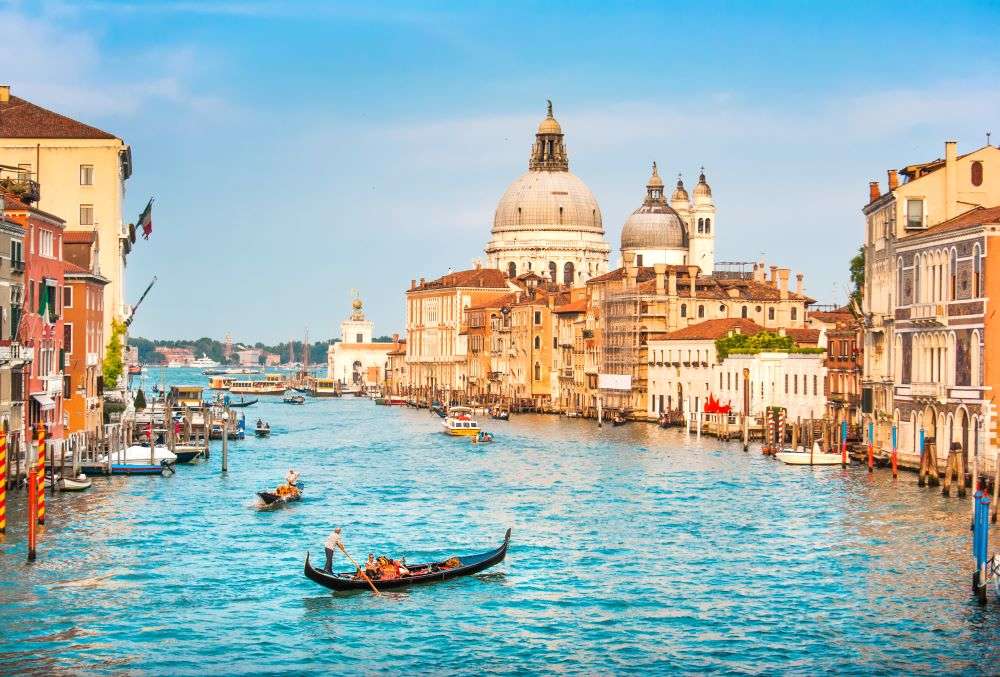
[{"x": 139, "y": 302}]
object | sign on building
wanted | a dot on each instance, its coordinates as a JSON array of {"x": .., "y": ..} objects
[{"x": 614, "y": 381}]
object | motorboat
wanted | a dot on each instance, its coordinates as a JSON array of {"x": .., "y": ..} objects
[
  {"x": 291, "y": 398},
  {"x": 204, "y": 362},
  {"x": 263, "y": 429},
  {"x": 79, "y": 483},
  {"x": 800, "y": 456},
  {"x": 459, "y": 423}
]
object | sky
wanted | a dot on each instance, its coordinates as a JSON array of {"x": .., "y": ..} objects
[{"x": 298, "y": 150}]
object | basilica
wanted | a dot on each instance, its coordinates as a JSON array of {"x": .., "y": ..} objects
[{"x": 548, "y": 221}]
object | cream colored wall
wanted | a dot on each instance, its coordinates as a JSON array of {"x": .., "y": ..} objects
[{"x": 56, "y": 164}]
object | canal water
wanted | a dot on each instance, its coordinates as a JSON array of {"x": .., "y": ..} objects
[{"x": 634, "y": 549}]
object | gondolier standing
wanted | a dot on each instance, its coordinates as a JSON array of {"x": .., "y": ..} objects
[{"x": 333, "y": 541}]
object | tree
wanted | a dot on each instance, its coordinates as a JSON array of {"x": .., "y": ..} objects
[
  {"x": 114, "y": 366},
  {"x": 858, "y": 275}
]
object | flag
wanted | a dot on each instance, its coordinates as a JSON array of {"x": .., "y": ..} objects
[{"x": 146, "y": 220}]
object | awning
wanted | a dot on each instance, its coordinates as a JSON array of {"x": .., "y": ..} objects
[{"x": 44, "y": 401}]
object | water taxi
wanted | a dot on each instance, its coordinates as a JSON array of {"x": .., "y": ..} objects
[
  {"x": 326, "y": 387},
  {"x": 459, "y": 423},
  {"x": 187, "y": 396},
  {"x": 204, "y": 362},
  {"x": 220, "y": 382},
  {"x": 256, "y": 388}
]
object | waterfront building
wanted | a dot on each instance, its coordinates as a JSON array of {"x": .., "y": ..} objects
[
  {"x": 844, "y": 338},
  {"x": 679, "y": 233},
  {"x": 924, "y": 302},
  {"x": 355, "y": 361},
  {"x": 83, "y": 329},
  {"x": 83, "y": 170},
  {"x": 12, "y": 358},
  {"x": 569, "y": 318},
  {"x": 437, "y": 350},
  {"x": 548, "y": 221},
  {"x": 182, "y": 357},
  {"x": 396, "y": 380},
  {"x": 40, "y": 324},
  {"x": 530, "y": 346},
  {"x": 792, "y": 381}
]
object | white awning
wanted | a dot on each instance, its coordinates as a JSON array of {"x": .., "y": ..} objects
[{"x": 44, "y": 401}]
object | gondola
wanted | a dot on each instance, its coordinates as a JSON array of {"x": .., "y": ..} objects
[
  {"x": 270, "y": 499},
  {"x": 243, "y": 403},
  {"x": 293, "y": 399},
  {"x": 501, "y": 415},
  {"x": 430, "y": 572}
]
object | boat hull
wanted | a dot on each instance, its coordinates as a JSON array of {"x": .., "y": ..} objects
[
  {"x": 471, "y": 564},
  {"x": 789, "y": 457}
]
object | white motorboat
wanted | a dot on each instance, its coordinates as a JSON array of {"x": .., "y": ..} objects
[
  {"x": 139, "y": 455},
  {"x": 800, "y": 456},
  {"x": 79, "y": 483}
]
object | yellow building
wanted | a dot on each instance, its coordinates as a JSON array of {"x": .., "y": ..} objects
[{"x": 82, "y": 172}]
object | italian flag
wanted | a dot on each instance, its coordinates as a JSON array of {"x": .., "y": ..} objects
[{"x": 146, "y": 220}]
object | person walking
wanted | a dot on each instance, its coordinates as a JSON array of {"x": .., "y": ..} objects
[{"x": 333, "y": 541}]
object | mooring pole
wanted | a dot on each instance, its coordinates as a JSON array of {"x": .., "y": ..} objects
[
  {"x": 31, "y": 470},
  {"x": 225, "y": 440},
  {"x": 40, "y": 491},
  {"x": 921, "y": 478},
  {"x": 843, "y": 444},
  {"x": 3, "y": 481},
  {"x": 895, "y": 458},
  {"x": 871, "y": 446}
]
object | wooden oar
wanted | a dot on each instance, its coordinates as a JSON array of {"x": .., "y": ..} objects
[{"x": 360, "y": 570}]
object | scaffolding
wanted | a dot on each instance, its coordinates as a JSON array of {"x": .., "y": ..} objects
[{"x": 621, "y": 320}]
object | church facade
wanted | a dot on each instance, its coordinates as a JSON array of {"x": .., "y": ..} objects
[{"x": 356, "y": 362}]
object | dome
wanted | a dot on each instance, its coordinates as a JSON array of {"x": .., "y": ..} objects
[
  {"x": 702, "y": 189},
  {"x": 654, "y": 181},
  {"x": 549, "y": 124},
  {"x": 356, "y": 304},
  {"x": 544, "y": 200},
  {"x": 654, "y": 226},
  {"x": 680, "y": 193}
]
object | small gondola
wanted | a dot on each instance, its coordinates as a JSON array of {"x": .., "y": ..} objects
[
  {"x": 271, "y": 499},
  {"x": 242, "y": 403},
  {"x": 293, "y": 399},
  {"x": 430, "y": 572},
  {"x": 501, "y": 414}
]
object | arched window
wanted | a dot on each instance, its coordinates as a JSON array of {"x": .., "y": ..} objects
[
  {"x": 538, "y": 342},
  {"x": 684, "y": 310},
  {"x": 953, "y": 269},
  {"x": 977, "y": 173},
  {"x": 553, "y": 270},
  {"x": 708, "y": 225},
  {"x": 701, "y": 311},
  {"x": 977, "y": 272},
  {"x": 538, "y": 372},
  {"x": 899, "y": 281},
  {"x": 701, "y": 225},
  {"x": 560, "y": 215},
  {"x": 975, "y": 355},
  {"x": 512, "y": 269},
  {"x": 568, "y": 273},
  {"x": 744, "y": 312}
]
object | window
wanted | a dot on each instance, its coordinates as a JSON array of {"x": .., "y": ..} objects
[
  {"x": 684, "y": 310},
  {"x": 815, "y": 384},
  {"x": 977, "y": 173},
  {"x": 795, "y": 313},
  {"x": 795, "y": 385},
  {"x": 701, "y": 311},
  {"x": 67, "y": 297},
  {"x": 553, "y": 270},
  {"x": 16, "y": 254},
  {"x": 744, "y": 312},
  {"x": 770, "y": 313},
  {"x": 68, "y": 337},
  {"x": 899, "y": 280},
  {"x": 977, "y": 272},
  {"x": 568, "y": 273},
  {"x": 538, "y": 372},
  {"x": 786, "y": 384},
  {"x": 512, "y": 269},
  {"x": 701, "y": 225},
  {"x": 359, "y": 338},
  {"x": 953, "y": 264},
  {"x": 538, "y": 317},
  {"x": 708, "y": 226},
  {"x": 45, "y": 243},
  {"x": 538, "y": 343},
  {"x": 86, "y": 215},
  {"x": 86, "y": 175},
  {"x": 914, "y": 213}
]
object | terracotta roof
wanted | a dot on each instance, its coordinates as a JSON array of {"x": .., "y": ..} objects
[
  {"x": 79, "y": 237},
  {"x": 579, "y": 306},
  {"x": 20, "y": 119},
  {"x": 487, "y": 278},
  {"x": 71, "y": 270},
  {"x": 381, "y": 347},
  {"x": 12, "y": 202},
  {"x": 714, "y": 329},
  {"x": 974, "y": 217},
  {"x": 810, "y": 336},
  {"x": 643, "y": 274},
  {"x": 495, "y": 301}
]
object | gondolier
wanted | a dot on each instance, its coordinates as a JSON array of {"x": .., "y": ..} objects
[{"x": 333, "y": 541}]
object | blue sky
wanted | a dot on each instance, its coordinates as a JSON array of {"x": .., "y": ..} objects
[{"x": 301, "y": 150}]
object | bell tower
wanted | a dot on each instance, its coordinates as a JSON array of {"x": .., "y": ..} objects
[{"x": 702, "y": 227}]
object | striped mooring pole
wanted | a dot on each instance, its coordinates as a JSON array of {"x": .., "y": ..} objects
[
  {"x": 871, "y": 446},
  {"x": 843, "y": 444},
  {"x": 3, "y": 482},
  {"x": 41, "y": 473},
  {"x": 980, "y": 544},
  {"x": 895, "y": 458}
]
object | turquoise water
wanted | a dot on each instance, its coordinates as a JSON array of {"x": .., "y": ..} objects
[{"x": 634, "y": 549}]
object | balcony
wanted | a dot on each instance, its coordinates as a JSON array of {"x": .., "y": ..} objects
[
  {"x": 566, "y": 372},
  {"x": 17, "y": 181},
  {"x": 931, "y": 314},
  {"x": 17, "y": 266},
  {"x": 936, "y": 391}
]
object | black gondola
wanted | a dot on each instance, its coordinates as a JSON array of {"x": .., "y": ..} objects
[
  {"x": 419, "y": 573},
  {"x": 242, "y": 403}
]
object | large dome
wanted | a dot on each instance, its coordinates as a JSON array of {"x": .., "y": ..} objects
[
  {"x": 654, "y": 226},
  {"x": 544, "y": 200}
]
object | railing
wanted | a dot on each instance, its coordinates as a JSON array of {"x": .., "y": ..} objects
[
  {"x": 934, "y": 390},
  {"x": 928, "y": 313}
]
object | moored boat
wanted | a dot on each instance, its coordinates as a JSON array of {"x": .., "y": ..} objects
[
  {"x": 802, "y": 457},
  {"x": 326, "y": 387},
  {"x": 290, "y": 398},
  {"x": 263, "y": 429},
  {"x": 243, "y": 403},
  {"x": 429, "y": 572},
  {"x": 79, "y": 483},
  {"x": 256, "y": 388}
]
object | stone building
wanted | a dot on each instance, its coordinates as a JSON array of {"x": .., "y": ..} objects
[
  {"x": 548, "y": 222},
  {"x": 844, "y": 340},
  {"x": 356, "y": 362},
  {"x": 13, "y": 359}
]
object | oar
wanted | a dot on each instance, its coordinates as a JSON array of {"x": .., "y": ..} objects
[{"x": 360, "y": 570}]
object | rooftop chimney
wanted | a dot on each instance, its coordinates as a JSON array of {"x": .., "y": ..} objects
[
  {"x": 798, "y": 283},
  {"x": 893, "y": 179},
  {"x": 783, "y": 282},
  {"x": 672, "y": 282},
  {"x": 477, "y": 264},
  {"x": 413, "y": 284},
  {"x": 421, "y": 282},
  {"x": 661, "y": 270},
  {"x": 4, "y": 93},
  {"x": 774, "y": 276},
  {"x": 628, "y": 260},
  {"x": 693, "y": 276},
  {"x": 873, "y": 191},
  {"x": 951, "y": 179}
]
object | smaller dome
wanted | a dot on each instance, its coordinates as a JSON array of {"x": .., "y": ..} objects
[
  {"x": 356, "y": 304},
  {"x": 702, "y": 189},
  {"x": 680, "y": 193},
  {"x": 549, "y": 124}
]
